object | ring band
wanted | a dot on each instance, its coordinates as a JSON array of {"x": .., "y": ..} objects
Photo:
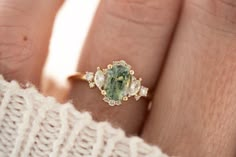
[{"x": 116, "y": 82}]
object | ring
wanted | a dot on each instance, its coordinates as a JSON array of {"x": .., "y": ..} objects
[{"x": 116, "y": 82}]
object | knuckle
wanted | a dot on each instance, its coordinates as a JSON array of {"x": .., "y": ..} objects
[
  {"x": 228, "y": 3},
  {"x": 136, "y": 11},
  {"x": 218, "y": 15},
  {"x": 14, "y": 8},
  {"x": 15, "y": 48},
  {"x": 218, "y": 9},
  {"x": 227, "y": 10}
]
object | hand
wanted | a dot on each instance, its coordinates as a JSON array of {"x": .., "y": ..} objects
[{"x": 183, "y": 50}]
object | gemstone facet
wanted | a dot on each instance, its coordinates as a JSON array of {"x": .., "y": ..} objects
[{"x": 117, "y": 82}]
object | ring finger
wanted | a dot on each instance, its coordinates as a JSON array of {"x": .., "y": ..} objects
[{"x": 137, "y": 31}]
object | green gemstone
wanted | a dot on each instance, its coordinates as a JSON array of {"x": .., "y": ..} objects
[{"x": 117, "y": 82}]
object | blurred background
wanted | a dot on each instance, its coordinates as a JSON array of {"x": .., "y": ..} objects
[{"x": 70, "y": 29}]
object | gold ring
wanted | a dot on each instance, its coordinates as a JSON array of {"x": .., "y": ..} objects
[{"x": 116, "y": 82}]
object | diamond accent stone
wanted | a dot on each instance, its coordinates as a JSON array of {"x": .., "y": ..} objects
[
  {"x": 143, "y": 91},
  {"x": 106, "y": 99},
  {"x": 112, "y": 102},
  {"x": 91, "y": 84},
  {"x": 89, "y": 76},
  {"x": 118, "y": 102},
  {"x": 99, "y": 79},
  {"x": 137, "y": 97},
  {"x": 134, "y": 87}
]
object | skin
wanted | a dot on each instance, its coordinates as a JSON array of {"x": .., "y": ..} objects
[{"x": 183, "y": 50}]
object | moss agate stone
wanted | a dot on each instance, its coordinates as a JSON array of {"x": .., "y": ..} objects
[{"x": 117, "y": 82}]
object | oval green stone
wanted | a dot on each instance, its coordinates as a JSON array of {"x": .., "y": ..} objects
[{"x": 117, "y": 82}]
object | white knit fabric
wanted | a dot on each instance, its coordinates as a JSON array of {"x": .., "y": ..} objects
[{"x": 32, "y": 125}]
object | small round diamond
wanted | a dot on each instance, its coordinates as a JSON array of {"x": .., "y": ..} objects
[
  {"x": 112, "y": 102},
  {"x": 89, "y": 76},
  {"x": 91, "y": 84},
  {"x": 99, "y": 79}
]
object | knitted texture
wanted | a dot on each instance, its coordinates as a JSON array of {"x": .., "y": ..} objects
[{"x": 32, "y": 125}]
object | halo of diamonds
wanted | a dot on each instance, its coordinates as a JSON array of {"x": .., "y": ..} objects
[{"x": 98, "y": 79}]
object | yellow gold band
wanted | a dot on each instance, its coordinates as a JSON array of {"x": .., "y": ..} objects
[{"x": 77, "y": 76}]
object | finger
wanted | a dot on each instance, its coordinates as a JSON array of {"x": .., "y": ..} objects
[
  {"x": 25, "y": 28},
  {"x": 193, "y": 111},
  {"x": 137, "y": 32}
]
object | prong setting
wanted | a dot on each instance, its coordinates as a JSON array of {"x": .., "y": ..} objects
[
  {"x": 131, "y": 72},
  {"x": 103, "y": 92},
  {"x": 125, "y": 98},
  {"x": 109, "y": 66}
]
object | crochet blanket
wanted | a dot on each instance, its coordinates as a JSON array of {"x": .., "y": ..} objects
[{"x": 32, "y": 125}]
